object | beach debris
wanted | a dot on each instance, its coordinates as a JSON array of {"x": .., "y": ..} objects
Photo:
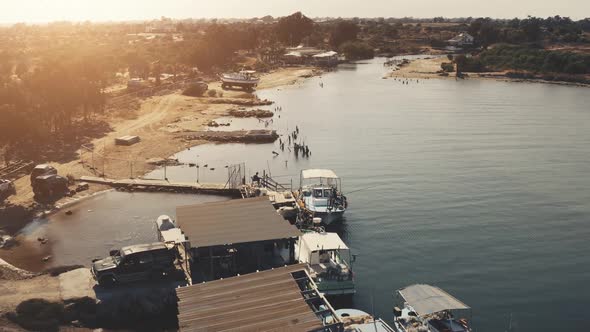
[
  {"x": 238, "y": 136},
  {"x": 69, "y": 212},
  {"x": 47, "y": 258},
  {"x": 256, "y": 113}
]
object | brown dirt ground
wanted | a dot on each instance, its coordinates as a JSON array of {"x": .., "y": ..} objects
[{"x": 156, "y": 122}]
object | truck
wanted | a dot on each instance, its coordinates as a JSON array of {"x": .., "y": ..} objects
[
  {"x": 40, "y": 170},
  {"x": 134, "y": 263},
  {"x": 50, "y": 186}
]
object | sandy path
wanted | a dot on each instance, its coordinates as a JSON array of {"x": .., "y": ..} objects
[{"x": 158, "y": 121}]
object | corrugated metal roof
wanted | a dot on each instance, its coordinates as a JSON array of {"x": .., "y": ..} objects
[
  {"x": 234, "y": 221},
  {"x": 263, "y": 301}
]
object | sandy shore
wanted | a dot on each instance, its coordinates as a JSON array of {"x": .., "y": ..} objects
[
  {"x": 157, "y": 121},
  {"x": 431, "y": 68}
]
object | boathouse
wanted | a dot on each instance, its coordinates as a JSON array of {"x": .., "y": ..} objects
[
  {"x": 284, "y": 299},
  {"x": 236, "y": 237}
]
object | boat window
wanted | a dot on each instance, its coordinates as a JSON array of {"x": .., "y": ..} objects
[
  {"x": 328, "y": 193},
  {"x": 306, "y": 193},
  {"x": 317, "y": 193}
]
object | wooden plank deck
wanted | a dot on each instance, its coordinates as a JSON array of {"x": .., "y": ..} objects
[{"x": 155, "y": 185}]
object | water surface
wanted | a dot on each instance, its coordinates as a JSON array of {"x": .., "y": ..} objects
[{"x": 481, "y": 187}]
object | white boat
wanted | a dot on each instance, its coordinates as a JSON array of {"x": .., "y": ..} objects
[
  {"x": 329, "y": 261},
  {"x": 168, "y": 232},
  {"x": 429, "y": 309},
  {"x": 320, "y": 195},
  {"x": 359, "y": 321},
  {"x": 245, "y": 79}
]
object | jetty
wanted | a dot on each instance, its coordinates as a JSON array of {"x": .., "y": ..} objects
[{"x": 164, "y": 186}]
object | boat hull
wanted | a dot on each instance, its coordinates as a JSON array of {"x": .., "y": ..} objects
[{"x": 329, "y": 217}]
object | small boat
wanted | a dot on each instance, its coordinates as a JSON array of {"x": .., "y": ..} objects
[
  {"x": 329, "y": 261},
  {"x": 429, "y": 309},
  {"x": 359, "y": 321},
  {"x": 320, "y": 195},
  {"x": 168, "y": 232},
  {"x": 245, "y": 79}
]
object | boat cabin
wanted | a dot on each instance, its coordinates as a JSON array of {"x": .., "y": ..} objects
[
  {"x": 320, "y": 194},
  {"x": 329, "y": 260}
]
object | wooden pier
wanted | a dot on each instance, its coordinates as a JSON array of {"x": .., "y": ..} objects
[{"x": 164, "y": 186}]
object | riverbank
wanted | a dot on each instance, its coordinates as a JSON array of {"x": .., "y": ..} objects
[
  {"x": 159, "y": 121},
  {"x": 430, "y": 68}
]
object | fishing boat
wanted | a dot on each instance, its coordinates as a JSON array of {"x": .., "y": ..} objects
[
  {"x": 429, "y": 309},
  {"x": 320, "y": 195},
  {"x": 329, "y": 261},
  {"x": 245, "y": 79},
  {"x": 359, "y": 321}
]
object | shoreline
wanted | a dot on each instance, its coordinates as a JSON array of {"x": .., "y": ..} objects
[
  {"x": 430, "y": 68},
  {"x": 158, "y": 122}
]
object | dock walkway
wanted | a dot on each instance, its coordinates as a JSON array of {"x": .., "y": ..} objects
[{"x": 162, "y": 185}]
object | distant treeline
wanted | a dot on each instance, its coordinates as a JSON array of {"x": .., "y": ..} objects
[{"x": 535, "y": 60}]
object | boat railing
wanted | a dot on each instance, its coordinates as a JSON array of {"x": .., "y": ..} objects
[{"x": 268, "y": 182}]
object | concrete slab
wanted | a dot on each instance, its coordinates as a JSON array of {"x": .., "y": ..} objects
[{"x": 76, "y": 284}]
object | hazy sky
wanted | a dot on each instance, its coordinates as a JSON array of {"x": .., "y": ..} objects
[{"x": 116, "y": 10}]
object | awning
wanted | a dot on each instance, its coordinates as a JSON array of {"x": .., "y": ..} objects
[
  {"x": 323, "y": 241},
  {"x": 232, "y": 222},
  {"x": 426, "y": 299},
  {"x": 318, "y": 173}
]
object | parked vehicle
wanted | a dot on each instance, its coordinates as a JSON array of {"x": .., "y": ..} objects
[
  {"x": 135, "y": 263},
  {"x": 50, "y": 186},
  {"x": 6, "y": 189},
  {"x": 42, "y": 170}
]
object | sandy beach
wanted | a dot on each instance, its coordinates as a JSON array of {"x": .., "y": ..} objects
[
  {"x": 157, "y": 121},
  {"x": 431, "y": 68}
]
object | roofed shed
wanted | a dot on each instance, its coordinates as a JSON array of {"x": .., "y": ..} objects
[{"x": 282, "y": 299}]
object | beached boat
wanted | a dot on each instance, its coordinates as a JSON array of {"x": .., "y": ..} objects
[
  {"x": 429, "y": 309},
  {"x": 329, "y": 262},
  {"x": 320, "y": 195},
  {"x": 245, "y": 79},
  {"x": 359, "y": 321}
]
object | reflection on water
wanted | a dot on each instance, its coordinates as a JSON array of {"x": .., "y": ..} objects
[
  {"x": 482, "y": 187},
  {"x": 479, "y": 187},
  {"x": 104, "y": 222}
]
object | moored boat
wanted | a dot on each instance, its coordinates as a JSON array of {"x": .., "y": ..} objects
[
  {"x": 429, "y": 309},
  {"x": 320, "y": 195},
  {"x": 329, "y": 261},
  {"x": 359, "y": 321}
]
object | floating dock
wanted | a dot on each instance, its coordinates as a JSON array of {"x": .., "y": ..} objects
[{"x": 164, "y": 186}]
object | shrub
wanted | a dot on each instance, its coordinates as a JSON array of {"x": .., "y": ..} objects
[
  {"x": 212, "y": 93},
  {"x": 357, "y": 50},
  {"x": 39, "y": 315},
  {"x": 447, "y": 67},
  {"x": 195, "y": 90}
]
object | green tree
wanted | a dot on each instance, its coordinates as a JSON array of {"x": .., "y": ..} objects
[
  {"x": 293, "y": 28},
  {"x": 342, "y": 32}
]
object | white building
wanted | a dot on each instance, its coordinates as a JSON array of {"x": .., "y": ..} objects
[{"x": 462, "y": 39}]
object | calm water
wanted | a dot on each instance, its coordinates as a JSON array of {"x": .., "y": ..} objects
[{"x": 480, "y": 187}]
